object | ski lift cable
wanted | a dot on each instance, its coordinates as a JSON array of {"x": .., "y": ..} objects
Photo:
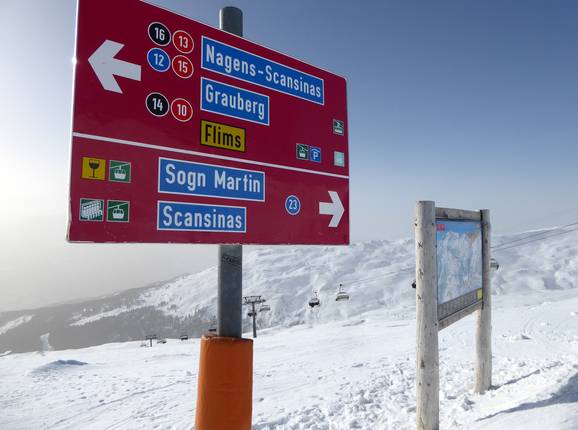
[
  {"x": 531, "y": 236},
  {"x": 534, "y": 238},
  {"x": 563, "y": 211},
  {"x": 542, "y": 233},
  {"x": 384, "y": 275},
  {"x": 499, "y": 247},
  {"x": 566, "y": 211},
  {"x": 537, "y": 239}
]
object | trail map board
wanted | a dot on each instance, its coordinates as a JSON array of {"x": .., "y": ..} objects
[{"x": 459, "y": 265}]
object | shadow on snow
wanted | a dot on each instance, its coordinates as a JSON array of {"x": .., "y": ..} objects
[{"x": 566, "y": 394}]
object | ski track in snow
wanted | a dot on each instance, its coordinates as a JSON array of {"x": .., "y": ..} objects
[
  {"x": 99, "y": 316},
  {"x": 10, "y": 325}
]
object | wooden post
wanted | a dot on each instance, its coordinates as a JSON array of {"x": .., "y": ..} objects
[
  {"x": 483, "y": 378},
  {"x": 427, "y": 363}
]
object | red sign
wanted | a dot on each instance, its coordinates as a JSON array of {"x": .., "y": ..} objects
[{"x": 185, "y": 133}]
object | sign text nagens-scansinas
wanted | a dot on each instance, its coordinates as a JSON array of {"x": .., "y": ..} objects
[{"x": 228, "y": 60}]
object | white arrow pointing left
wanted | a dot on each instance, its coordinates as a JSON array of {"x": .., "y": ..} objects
[
  {"x": 106, "y": 66},
  {"x": 335, "y": 208}
]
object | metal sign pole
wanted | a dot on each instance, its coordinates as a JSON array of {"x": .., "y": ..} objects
[
  {"x": 225, "y": 393},
  {"x": 230, "y": 283},
  {"x": 483, "y": 378},
  {"x": 427, "y": 360}
]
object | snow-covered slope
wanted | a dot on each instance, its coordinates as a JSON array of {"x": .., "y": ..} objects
[
  {"x": 288, "y": 276},
  {"x": 377, "y": 275},
  {"x": 350, "y": 366},
  {"x": 356, "y": 373}
]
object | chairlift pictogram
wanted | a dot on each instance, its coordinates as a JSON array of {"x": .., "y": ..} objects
[
  {"x": 117, "y": 213},
  {"x": 119, "y": 173},
  {"x": 91, "y": 209},
  {"x": 314, "y": 301},
  {"x": 341, "y": 295}
]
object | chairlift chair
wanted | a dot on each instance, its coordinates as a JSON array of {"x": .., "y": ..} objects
[
  {"x": 494, "y": 265},
  {"x": 265, "y": 308},
  {"x": 341, "y": 295},
  {"x": 314, "y": 301}
]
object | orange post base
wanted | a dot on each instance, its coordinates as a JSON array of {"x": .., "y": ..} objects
[{"x": 225, "y": 384}]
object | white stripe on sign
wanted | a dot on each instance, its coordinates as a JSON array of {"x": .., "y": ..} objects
[{"x": 202, "y": 154}]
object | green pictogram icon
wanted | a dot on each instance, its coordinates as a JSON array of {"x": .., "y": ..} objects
[
  {"x": 91, "y": 210},
  {"x": 339, "y": 159},
  {"x": 119, "y": 171},
  {"x": 118, "y": 211},
  {"x": 302, "y": 151},
  {"x": 338, "y": 127}
]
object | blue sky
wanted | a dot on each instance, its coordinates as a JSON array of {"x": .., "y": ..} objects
[{"x": 472, "y": 104}]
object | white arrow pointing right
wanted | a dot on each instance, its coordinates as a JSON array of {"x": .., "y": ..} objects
[
  {"x": 335, "y": 208},
  {"x": 106, "y": 66}
]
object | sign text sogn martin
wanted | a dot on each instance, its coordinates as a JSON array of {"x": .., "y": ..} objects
[{"x": 200, "y": 179}]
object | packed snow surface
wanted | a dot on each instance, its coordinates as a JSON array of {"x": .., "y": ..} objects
[
  {"x": 358, "y": 373},
  {"x": 349, "y": 365}
]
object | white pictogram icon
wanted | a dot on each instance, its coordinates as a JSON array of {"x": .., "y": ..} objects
[
  {"x": 91, "y": 210},
  {"x": 119, "y": 173},
  {"x": 117, "y": 213}
]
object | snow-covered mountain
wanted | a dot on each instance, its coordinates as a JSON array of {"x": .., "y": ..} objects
[
  {"x": 350, "y": 366},
  {"x": 376, "y": 275}
]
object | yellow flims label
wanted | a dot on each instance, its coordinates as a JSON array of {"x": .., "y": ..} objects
[
  {"x": 222, "y": 136},
  {"x": 480, "y": 294},
  {"x": 93, "y": 168}
]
